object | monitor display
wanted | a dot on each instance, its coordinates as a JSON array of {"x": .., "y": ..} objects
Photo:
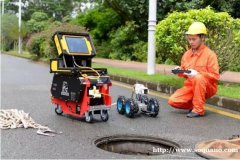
[{"x": 77, "y": 45}]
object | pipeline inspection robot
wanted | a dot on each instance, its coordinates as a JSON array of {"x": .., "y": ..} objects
[{"x": 139, "y": 101}]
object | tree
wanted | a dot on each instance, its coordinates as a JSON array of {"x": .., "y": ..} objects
[
  {"x": 137, "y": 10},
  {"x": 38, "y": 22},
  {"x": 223, "y": 36},
  {"x": 99, "y": 21},
  {"x": 10, "y": 31},
  {"x": 230, "y": 6},
  {"x": 57, "y": 9},
  {"x": 122, "y": 43}
]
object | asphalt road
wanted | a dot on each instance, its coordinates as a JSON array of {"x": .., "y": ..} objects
[{"x": 25, "y": 85}]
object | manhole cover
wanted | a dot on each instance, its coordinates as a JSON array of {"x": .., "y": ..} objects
[{"x": 136, "y": 145}]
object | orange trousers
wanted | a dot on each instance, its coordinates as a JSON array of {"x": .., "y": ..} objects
[{"x": 194, "y": 94}]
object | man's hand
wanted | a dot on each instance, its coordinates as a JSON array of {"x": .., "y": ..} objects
[{"x": 192, "y": 73}]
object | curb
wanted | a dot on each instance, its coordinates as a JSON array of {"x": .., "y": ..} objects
[{"x": 223, "y": 102}]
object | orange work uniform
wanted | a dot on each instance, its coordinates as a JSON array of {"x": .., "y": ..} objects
[{"x": 197, "y": 88}]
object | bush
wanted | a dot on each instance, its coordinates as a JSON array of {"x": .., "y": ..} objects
[
  {"x": 100, "y": 22},
  {"x": 122, "y": 41},
  {"x": 34, "y": 44},
  {"x": 140, "y": 51},
  {"x": 103, "y": 49},
  {"x": 39, "y": 16},
  {"x": 38, "y": 22},
  {"x": 41, "y": 44},
  {"x": 223, "y": 36}
]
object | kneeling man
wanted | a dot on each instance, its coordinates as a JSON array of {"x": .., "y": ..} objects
[{"x": 201, "y": 82}]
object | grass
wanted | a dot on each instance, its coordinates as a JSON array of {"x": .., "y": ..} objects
[
  {"x": 232, "y": 91},
  {"x": 226, "y": 90},
  {"x": 229, "y": 90},
  {"x": 158, "y": 78},
  {"x": 27, "y": 55},
  {"x": 24, "y": 54}
]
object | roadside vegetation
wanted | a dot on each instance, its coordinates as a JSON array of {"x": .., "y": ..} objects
[
  {"x": 119, "y": 30},
  {"x": 119, "y": 27}
]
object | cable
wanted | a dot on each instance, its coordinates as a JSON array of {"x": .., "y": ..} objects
[
  {"x": 13, "y": 118},
  {"x": 85, "y": 75}
]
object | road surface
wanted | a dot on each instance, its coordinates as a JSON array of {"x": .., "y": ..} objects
[{"x": 25, "y": 85}]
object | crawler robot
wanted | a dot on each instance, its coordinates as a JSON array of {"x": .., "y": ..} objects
[{"x": 138, "y": 101}]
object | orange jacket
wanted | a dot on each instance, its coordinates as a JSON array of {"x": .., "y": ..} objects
[{"x": 204, "y": 61}]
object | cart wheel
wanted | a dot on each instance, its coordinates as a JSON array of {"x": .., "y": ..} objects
[
  {"x": 104, "y": 115},
  {"x": 131, "y": 108},
  {"x": 153, "y": 107},
  {"x": 121, "y": 104},
  {"x": 58, "y": 110},
  {"x": 89, "y": 118}
]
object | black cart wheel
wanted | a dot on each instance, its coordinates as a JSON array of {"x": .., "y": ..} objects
[
  {"x": 58, "y": 110},
  {"x": 131, "y": 108},
  {"x": 153, "y": 107},
  {"x": 121, "y": 104},
  {"x": 104, "y": 115},
  {"x": 89, "y": 117}
]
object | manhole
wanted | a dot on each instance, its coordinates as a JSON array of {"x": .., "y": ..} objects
[{"x": 136, "y": 145}]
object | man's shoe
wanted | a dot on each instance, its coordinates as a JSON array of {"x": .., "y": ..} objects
[{"x": 193, "y": 115}]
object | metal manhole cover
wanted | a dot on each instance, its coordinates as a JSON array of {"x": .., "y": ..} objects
[{"x": 136, "y": 145}]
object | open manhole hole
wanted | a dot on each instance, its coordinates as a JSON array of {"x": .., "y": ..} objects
[{"x": 136, "y": 145}]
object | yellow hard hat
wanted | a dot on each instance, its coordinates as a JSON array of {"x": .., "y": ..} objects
[{"x": 197, "y": 28}]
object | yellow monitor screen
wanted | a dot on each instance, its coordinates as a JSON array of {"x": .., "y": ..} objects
[{"x": 77, "y": 45}]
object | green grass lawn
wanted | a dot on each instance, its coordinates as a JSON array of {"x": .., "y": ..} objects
[{"x": 232, "y": 91}]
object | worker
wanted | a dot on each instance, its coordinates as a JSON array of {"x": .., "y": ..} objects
[{"x": 201, "y": 82}]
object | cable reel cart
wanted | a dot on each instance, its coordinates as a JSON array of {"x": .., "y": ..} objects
[{"x": 77, "y": 88}]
